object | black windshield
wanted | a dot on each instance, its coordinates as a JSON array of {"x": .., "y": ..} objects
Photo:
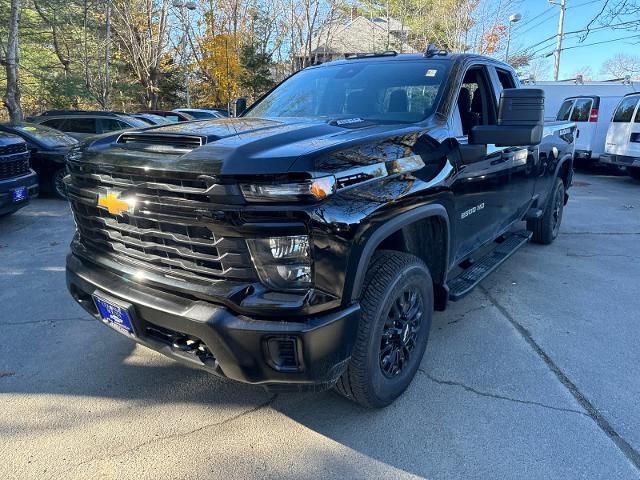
[{"x": 382, "y": 91}]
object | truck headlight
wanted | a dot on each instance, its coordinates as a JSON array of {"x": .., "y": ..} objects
[
  {"x": 313, "y": 189},
  {"x": 282, "y": 263}
]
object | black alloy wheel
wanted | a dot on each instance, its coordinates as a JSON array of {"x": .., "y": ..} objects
[{"x": 400, "y": 332}]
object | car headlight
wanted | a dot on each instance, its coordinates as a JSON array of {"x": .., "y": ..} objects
[
  {"x": 312, "y": 189},
  {"x": 282, "y": 263}
]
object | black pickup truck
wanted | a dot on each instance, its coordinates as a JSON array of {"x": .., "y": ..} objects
[
  {"x": 18, "y": 182},
  {"x": 306, "y": 243}
]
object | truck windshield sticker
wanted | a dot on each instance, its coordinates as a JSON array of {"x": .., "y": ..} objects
[{"x": 431, "y": 73}]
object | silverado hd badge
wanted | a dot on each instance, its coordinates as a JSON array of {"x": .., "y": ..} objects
[{"x": 111, "y": 201}]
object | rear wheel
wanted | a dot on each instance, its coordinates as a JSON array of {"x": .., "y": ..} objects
[
  {"x": 57, "y": 183},
  {"x": 396, "y": 310},
  {"x": 546, "y": 228},
  {"x": 634, "y": 172}
]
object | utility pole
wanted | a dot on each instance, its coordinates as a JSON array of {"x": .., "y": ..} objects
[{"x": 556, "y": 67}]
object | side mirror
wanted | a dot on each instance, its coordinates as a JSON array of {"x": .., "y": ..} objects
[
  {"x": 239, "y": 106},
  {"x": 520, "y": 120}
]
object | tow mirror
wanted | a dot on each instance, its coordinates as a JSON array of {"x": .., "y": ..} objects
[
  {"x": 520, "y": 120},
  {"x": 239, "y": 106}
]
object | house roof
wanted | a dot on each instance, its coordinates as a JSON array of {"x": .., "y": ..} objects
[{"x": 358, "y": 35}]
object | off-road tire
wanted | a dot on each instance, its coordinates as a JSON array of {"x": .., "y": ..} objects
[
  {"x": 545, "y": 229},
  {"x": 391, "y": 276}
]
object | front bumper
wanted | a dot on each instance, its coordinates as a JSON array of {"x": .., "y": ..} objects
[
  {"x": 8, "y": 185},
  {"x": 620, "y": 160},
  {"x": 316, "y": 348}
]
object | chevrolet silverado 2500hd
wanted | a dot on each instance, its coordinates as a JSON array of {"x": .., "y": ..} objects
[
  {"x": 18, "y": 182},
  {"x": 306, "y": 243}
]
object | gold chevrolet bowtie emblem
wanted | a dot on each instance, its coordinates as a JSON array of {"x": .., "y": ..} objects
[{"x": 114, "y": 204}]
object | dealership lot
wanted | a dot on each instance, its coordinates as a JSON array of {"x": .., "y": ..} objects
[{"x": 533, "y": 375}]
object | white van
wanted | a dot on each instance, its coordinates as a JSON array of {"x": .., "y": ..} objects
[
  {"x": 623, "y": 138},
  {"x": 592, "y": 114}
]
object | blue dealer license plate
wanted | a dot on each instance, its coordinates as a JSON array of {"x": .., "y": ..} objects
[
  {"x": 116, "y": 316},
  {"x": 19, "y": 194}
]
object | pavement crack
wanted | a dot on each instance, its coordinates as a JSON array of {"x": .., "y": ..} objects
[
  {"x": 632, "y": 454},
  {"x": 497, "y": 396},
  {"x": 464, "y": 314},
  {"x": 50, "y": 320},
  {"x": 590, "y": 255},
  {"x": 137, "y": 447}
]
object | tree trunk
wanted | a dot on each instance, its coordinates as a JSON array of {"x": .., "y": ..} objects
[{"x": 12, "y": 96}]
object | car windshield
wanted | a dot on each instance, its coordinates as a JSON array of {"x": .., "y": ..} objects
[
  {"x": 382, "y": 91},
  {"x": 49, "y": 137}
]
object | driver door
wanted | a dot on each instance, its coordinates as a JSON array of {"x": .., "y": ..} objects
[{"x": 481, "y": 187}]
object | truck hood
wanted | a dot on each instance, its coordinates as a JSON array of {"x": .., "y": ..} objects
[{"x": 241, "y": 146}]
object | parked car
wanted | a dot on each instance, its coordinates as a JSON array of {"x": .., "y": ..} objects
[
  {"x": 48, "y": 148},
  {"x": 199, "y": 113},
  {"x": 623, "y": 137},
  {"x": 306, "y": 244},
  {"x": 81, "y": 124},
  {"x": 171, "y": 116},
  {"x": 18, "y": 182},
  {"x": 151, "y": 118},
  {"x": 592, "y": 115}
]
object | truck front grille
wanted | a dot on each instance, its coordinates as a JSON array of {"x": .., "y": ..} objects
[
  {"x": 165, "y": 234},
  {"x": 15, "y": 163},
  {"x": 13, "y": 149}
]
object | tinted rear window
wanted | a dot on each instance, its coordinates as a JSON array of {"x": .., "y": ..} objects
[
  {"x": 565, "y": 110},
  {"x": 581, "y": 110},
  {"x": 624, "y": 112}
]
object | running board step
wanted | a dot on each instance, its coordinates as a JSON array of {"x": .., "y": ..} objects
[{"x": 480, "y": 269}]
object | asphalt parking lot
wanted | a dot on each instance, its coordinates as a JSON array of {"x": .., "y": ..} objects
[{"x": 536, "y": 374}]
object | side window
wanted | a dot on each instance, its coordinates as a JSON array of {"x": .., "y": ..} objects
[
  {"x": 505, "y": 78},
  {"x": 111, "y": 125},
  {"x": 624, "y": 112},
  {"x": 582, "y": 110},
  {"x": 565, "y": 110},
  {"x": 53, "y": 123},
  {"x": 80, "y": 125},
  {"x": 476, "y": 103}
]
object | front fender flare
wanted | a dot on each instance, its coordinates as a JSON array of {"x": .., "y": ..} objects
[{"x": 374, "y": 237}]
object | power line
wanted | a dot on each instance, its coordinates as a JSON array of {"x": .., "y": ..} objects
[
  {"x": 590, "y": 44},
  {"x": 544, "y": 12},
  {"x": 537, "y": 24},
  {"x": 574, "y": 32}
]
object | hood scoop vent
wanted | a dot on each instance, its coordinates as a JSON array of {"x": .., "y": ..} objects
[{"x": 161, "y": 142}]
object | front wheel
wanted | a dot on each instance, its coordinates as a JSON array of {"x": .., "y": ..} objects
[
  {"x": 57, "y": 183},
  {"x": 546, "y": 228},
  {"x": 396, "y": 310}
]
